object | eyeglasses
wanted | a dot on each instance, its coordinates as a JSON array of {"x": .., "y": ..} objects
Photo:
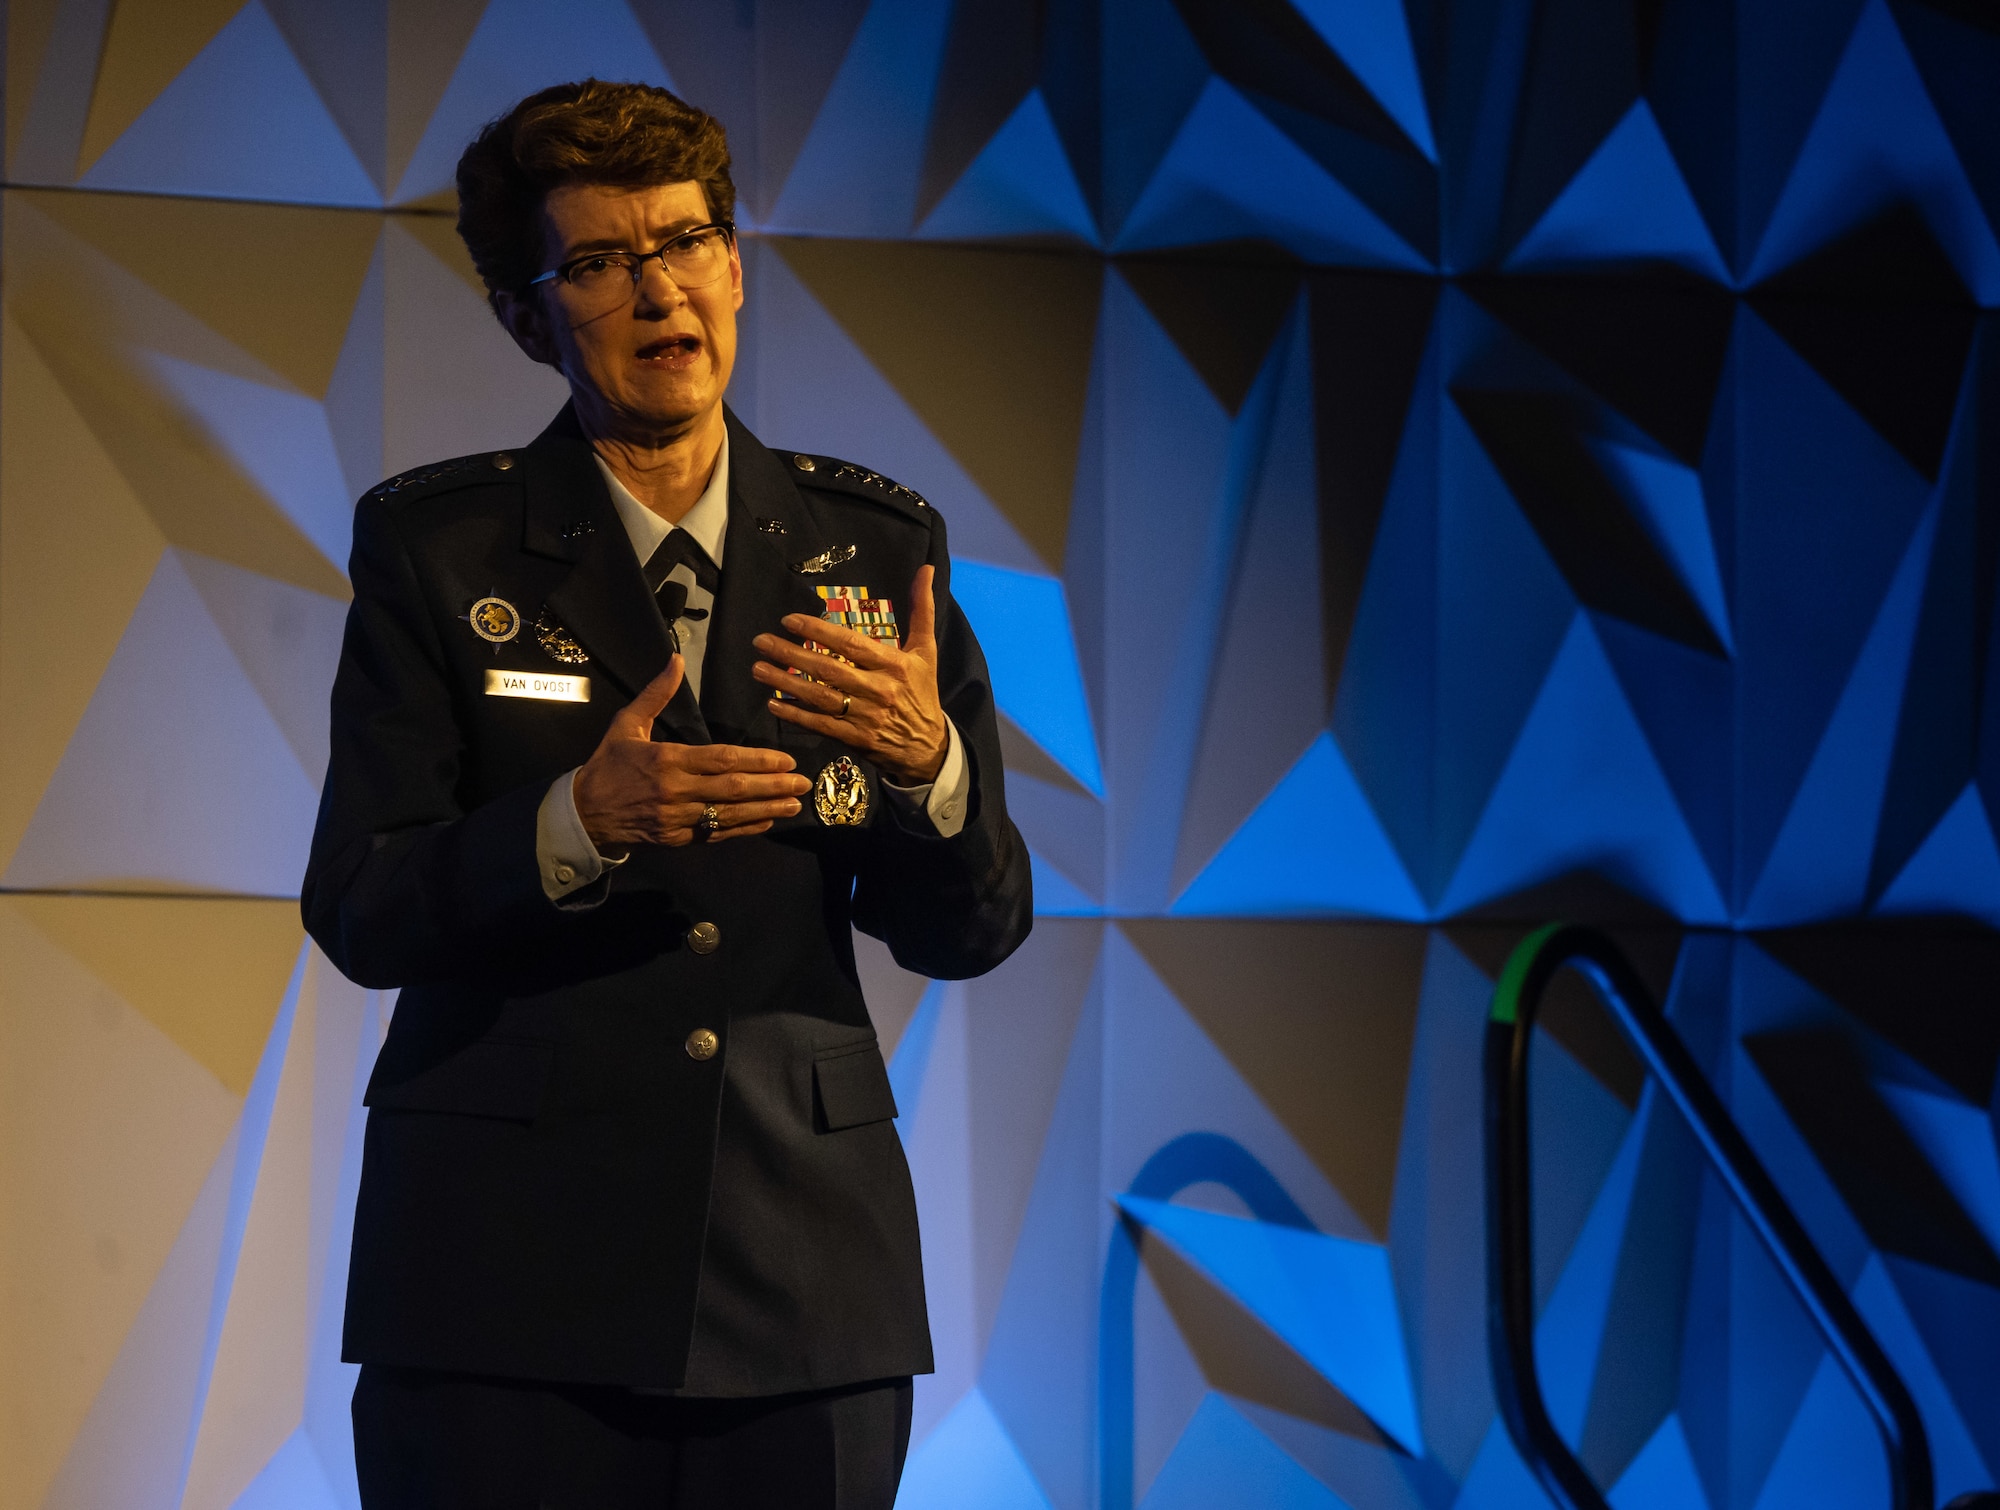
[{"x": 601, "y": 281}]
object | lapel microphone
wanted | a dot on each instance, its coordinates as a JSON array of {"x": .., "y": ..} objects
[{"x": 672, "y": 598}]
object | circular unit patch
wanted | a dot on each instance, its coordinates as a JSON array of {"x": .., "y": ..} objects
[{"x": 495, "y": 619}]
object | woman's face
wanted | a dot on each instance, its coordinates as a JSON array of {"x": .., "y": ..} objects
[{"x": 656, "y": 362}]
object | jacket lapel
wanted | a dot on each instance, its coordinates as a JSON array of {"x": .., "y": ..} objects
[
  {"x": 758, "y": 587},
  {"x": 602, "y": 599}
]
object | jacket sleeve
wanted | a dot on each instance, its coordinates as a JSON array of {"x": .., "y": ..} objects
[
  {"x": 952, "y": 908},
  {"x": 402, "y": 886}
]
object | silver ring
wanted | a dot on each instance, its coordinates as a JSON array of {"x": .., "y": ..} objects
[
  {"x": 845, "y": 703},
  {"x": 711, "y": 817}
]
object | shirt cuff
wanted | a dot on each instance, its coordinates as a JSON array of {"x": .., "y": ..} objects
[
  {"x": 567, "y": 859},
  {"x": 941, "y": 801}
]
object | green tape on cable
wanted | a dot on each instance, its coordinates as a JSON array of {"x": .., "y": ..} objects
[{"x": 1514, "y": 974}]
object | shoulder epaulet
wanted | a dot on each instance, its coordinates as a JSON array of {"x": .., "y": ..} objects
[
  {"x": 847, "y": 477},
  {"x": 442, "y": 476}
]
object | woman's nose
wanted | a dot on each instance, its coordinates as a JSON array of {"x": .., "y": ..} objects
[{"x": 657, "y": 286}]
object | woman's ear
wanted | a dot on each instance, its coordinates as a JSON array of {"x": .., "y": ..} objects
[{"x": 527, "y": 322}]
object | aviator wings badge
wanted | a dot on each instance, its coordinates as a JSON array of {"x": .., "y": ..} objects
[{"x": 825, "y": 561}]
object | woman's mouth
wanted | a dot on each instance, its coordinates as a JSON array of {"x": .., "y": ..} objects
[{"x": 673, "y": 353}]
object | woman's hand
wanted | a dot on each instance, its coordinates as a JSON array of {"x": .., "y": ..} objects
[
  {"x": 636, "y": 790},
  {"x": 885, "y": 704}
]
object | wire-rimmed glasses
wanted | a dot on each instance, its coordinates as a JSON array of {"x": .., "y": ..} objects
[{"x": 600, "y": 281}]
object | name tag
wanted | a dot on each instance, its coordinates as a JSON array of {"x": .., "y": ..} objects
[{"x": 550, "y": 689}]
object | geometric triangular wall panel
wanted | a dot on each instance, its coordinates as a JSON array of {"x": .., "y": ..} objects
[
  {"x": 1628, "y": 203},
  {"x": 1269, "y": 865},
  {"x": 214, "y": 800},
  {"x": 516, "y": 48},
  {"x": 1562, "y": 804},
  {"x": 1198, "y": 195},
  {"x": 1957, "y": 868},
  {"x": 241, "y": 121},
  {"x": 1019, "y": 185},
  {"x": 1330, "y": 1300},
  {"x": 1877, "y": 139}
]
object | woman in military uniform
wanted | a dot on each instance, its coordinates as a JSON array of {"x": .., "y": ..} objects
[{"x": 632, "y": 726}]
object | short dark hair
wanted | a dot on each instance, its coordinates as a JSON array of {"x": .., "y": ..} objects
[{"x": 626, "y": 136}]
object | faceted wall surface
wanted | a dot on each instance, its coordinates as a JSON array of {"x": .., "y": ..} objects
[{"x": 1417, "y": 468}]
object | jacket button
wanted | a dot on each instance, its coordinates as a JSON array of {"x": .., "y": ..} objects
[
  {"x": 803, "y": 462},
  {"x": 704, "y": 938},
  {"x": 702, "y": 1044},
  {"x": 503, "y": 462}
]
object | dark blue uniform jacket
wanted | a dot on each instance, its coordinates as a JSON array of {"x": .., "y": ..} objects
[{"x": 552, "y": 1185}]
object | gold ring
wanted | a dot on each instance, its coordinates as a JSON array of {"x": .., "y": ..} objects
[
  {"x": 711, "y": 817},
  {"x": 845, "y": 703}
]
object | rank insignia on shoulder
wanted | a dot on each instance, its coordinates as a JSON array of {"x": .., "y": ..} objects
[
  {"x": 424, "y": 476},
  {"x": 848, "y": 472},
  {"x": 494, "y": 620},
  {"x": 840, "y": 796},
  {"x": 826, "y": 560}
]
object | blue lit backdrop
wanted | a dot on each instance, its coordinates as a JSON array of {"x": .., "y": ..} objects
[{"x": 1417, "y": 468}]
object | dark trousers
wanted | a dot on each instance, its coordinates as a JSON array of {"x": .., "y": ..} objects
[{"x": 437, "y": 1441}]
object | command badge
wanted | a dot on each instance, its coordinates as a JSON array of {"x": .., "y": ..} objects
[
  {"x": 840, "y": 796},
  {"x": 495, "y": 619}
]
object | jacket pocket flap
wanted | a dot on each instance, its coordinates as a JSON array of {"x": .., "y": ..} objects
[
  {"x": 853, "y": 1087},
  {"x": 490, "y": 1077}
]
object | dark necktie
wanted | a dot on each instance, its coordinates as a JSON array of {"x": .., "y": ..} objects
[{"x": 680, "y": 549}]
